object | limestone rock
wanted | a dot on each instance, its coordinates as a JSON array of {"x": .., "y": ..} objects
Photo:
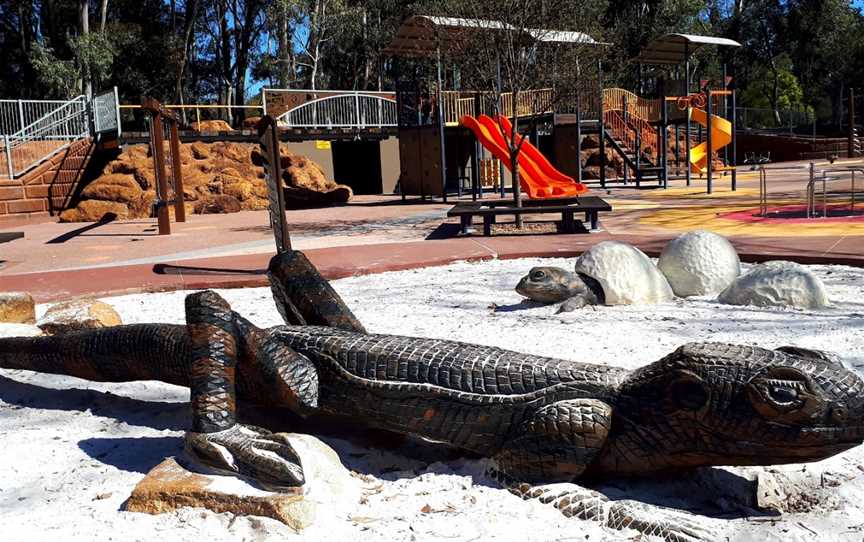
[
  {"x": 329, "y": 490},
  {"x": 78, "y": 314},
  {"x": 17, "y": 308},
  {"x": 119, "y": 187},
  {"x": 94, "y": 210},
  {"x": 777, "y": 284},
  {"x": 699, "y": 263},
  {"x": 19, "y": 330},
  {"x": 251, "y": 123},
  {"x": 217, "y": 203},
  {"x": 770, "y": 495},
  {"x": 211, "y": 126},
  {"x": 626, "y": 274}
]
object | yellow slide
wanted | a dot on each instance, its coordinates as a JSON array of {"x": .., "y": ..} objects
[{"x": 721, "y": 135}]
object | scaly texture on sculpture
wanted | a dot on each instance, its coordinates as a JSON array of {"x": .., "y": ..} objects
[{"x": 542, "y": 420}]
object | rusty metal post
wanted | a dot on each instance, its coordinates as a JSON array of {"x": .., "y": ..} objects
[
  {"x": 157, "y": 145},
  {"x": 269, "y": 142},
  {"x": 179, "y": 206}
]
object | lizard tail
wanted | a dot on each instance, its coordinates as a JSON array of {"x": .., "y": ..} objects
[{"x": 113, "y": 354}]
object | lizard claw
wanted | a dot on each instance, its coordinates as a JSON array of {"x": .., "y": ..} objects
[
  {"x": 655, "y": 521},
  {"x": 250, "y": 452}
]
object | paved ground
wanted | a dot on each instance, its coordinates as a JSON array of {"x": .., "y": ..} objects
[{"x": 380, "y": 233}]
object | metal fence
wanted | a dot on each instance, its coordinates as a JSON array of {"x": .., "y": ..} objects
[
  {"x": 46, "y": 136},
  {"x": 769, "y": 120},
  {"x": 350, "y": 110},
  {"x": 106, "y": 112},
  {"x": 15, "y": 115}
]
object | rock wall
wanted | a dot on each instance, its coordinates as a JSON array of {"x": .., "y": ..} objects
[{"x": 221, "y": 177}]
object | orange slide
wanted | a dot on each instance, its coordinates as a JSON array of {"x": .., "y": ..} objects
[
  {"x": 721, "y": 135},
  {"x": 537, "y": 176}
]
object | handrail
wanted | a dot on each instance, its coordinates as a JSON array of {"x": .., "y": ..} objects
[
  {"x": 649, "y": 110},
  {"x": 811, "y": 188},
  {"x": 346, "y": 110},
  {"x": 46, "y": 136}
]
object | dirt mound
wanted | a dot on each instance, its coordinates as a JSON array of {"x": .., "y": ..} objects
[
  {"x": 222, "y": 177},
  {"x": 211, "y": 126}
]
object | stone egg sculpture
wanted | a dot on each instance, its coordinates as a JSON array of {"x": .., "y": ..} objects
[
  {"x": 625, "y": 273},
  {"x": 699, "y": 263},
  {"x": 777, "y": 284}
]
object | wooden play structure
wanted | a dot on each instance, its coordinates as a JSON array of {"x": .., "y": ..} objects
[
  {"x": 166, "y": 161},
  {"x": 447, "y": 137}
]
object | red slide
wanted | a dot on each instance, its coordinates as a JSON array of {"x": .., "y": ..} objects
[{"x": 538, "y": 178}]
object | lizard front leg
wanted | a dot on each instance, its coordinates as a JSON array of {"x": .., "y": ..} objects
[
  {"x": 216, "y": 438},
  {"x": 556, "y": 444},
  {"x": 304, "y": 297}
]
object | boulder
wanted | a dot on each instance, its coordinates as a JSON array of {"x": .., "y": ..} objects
[
  {"x": 19, "y": 330},
  {"x": 211, "y": 126},
  {"x": 699, "y": 263},
  {"x": 626, "y": 274},
  {"x": 217, "y": 203},
  {"x": 77, "y": 315},
  {"x": 777, "y": 284},
  {"x": 17, "y": 308},
  {"x": 200, "y": 151},
  {"x": 251, "y": 123},
  {"x": 119, "y": 187},
  {"x": 95, "y": 210},
  {"x": 330, "y": 490}
]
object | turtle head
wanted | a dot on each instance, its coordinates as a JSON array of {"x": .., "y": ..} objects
[
  {"x": 718, "y": 404},
  {"x": 550, "y": 285}
]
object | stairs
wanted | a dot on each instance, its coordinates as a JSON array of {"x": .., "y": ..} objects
[{"x": 628, "y": 127}]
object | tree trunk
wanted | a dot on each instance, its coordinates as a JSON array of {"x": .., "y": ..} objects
[
  {"x": 103, "y": 16},
  {"x": 285, "y": 62},
  {"x": 188, "y": 25},
  {"x": 84, "y": 30}
]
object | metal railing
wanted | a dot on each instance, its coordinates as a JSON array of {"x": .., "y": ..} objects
[
  {"x": 637, "y": 106},
  {"x": 823, "y": 178},
  {"x": 46, "y": 136},
  {"x": 349, "y": 110},
  {"x": 15, "y": 115},
  {"x": 106, "y": 112}
]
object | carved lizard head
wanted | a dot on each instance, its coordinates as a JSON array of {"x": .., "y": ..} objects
[{"x": 719, "y": 404}]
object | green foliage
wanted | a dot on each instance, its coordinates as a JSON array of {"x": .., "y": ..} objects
[
  {"x": 759, "y": 93},
  {"x": 58, "y": 76}
]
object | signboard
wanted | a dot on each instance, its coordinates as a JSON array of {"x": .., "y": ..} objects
[{"x": 322, "y": 145}]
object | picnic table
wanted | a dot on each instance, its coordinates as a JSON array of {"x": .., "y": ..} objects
[{"x": 491, "y": 209}]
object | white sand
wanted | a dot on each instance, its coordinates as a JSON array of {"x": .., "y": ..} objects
[{"x": 71, "y": 451}]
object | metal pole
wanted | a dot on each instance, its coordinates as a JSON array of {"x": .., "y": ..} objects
[
  {"x": 624, "y": 115},
  {"x": 117, "y": 112},
  {"x": 441, "y": 126},
  {"x": 725, "y": 115},
  {"x": 9, "y": 166},
  {"x": 602, "y": 126},
  {"x": 21, "y": 113},
  {"x": 578, "y": 123},
  {"x": 851, "y": 152},
  {"x": 687, "y": 126},
  {"x": 664, "y": 134},
  {"x": 734, "y": 143},
  {"x": 709, "y": 169}
]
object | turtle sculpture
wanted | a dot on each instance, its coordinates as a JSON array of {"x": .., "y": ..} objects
[
  {"x": 609, "y": 273},
  {"x": 556, "y": 285}
]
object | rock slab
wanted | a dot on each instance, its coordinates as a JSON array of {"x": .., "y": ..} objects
[
  {"x": 777, "y": 284},
  {"x": 329, "y": 491},
  {"x": 699, "y": 263},
  {"x": 627, "y": 275},
  {"x": 17, "y": 308},
  {"x": 78, "y": 314}
]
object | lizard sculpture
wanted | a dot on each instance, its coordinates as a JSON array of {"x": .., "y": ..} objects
[
  {"x": 556, "y": 285},
  {"x": 541, "y": 420}
]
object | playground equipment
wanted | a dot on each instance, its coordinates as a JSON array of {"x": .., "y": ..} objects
[
  {"x": 823, "y": 179},
  {"x": 538, "y": 177},
  {"x": 763, "y": 183},
  {"x": 719, "y": 135}
]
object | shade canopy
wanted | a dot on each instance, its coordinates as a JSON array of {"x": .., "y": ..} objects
[
  {"x": 674, "y": 48},
  {"x": 424, "y": 35}
]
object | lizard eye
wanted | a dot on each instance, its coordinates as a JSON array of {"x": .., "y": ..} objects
[
  {"x": 538, "y": 275},
  {"x": 782, "y": 395}
]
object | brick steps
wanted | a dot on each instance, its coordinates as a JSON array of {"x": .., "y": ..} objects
[{"x": 44, "y": 190}]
